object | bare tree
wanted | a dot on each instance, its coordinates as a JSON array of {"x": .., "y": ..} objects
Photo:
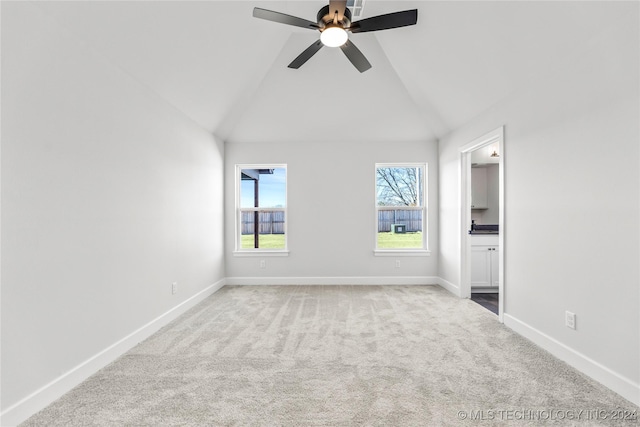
[{"x": 398, "y": 186}]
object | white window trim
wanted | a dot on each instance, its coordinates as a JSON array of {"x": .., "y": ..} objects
[
  {"x": 260, "y": 252},
  {"x": 402, "y": 252},
  {"x": 424, "y": 250},
  {"x": 239, "y": 251}
]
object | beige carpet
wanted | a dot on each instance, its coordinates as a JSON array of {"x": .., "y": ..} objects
[{"x": 335, "y": 356}]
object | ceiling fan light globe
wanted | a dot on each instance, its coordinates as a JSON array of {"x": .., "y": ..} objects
[{"x": 333, "y": 37}]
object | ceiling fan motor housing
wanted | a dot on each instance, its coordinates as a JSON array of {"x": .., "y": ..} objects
[{"x": 325, "y": 18}]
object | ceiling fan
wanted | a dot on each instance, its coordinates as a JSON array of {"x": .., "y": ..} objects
[{"x": 334, "y": 24}]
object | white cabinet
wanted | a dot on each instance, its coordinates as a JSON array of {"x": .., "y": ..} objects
[
  {"x": 479, "y": 188},
  {"x": 480, "y": 266},
  {"x": 484, "y": 261}
]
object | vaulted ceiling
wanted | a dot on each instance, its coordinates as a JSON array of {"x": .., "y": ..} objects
[{"x": 228, "y": 72}]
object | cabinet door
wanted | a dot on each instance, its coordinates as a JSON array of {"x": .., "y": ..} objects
[
  {"x": 494, "y": 267},
  {"x": 479, "y": 188},
  {"x": 481, "y": 266}
]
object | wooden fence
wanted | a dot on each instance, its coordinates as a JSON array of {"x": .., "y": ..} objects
[
  {"x": 272, "y": 222},
  {"x": 411, "y": 218}
]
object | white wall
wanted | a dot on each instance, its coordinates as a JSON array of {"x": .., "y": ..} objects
[
  {"x": 108, "y": 196},
  {"x": 327, "y": 178},
  {"x": 491, "y": 214},
  {"x": 572, "y": 205}
]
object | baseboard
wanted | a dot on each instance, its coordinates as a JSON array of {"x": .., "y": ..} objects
[
  {"x": 347, "y": 280},
  {"x": 484, "y": 290},
  {"x": 454, "y": 289},
  {"x": 44, "y": 396},
  {"x": 607, "y": 377}
]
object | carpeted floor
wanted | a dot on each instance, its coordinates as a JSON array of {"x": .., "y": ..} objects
[{"x": 335, "y": 356}]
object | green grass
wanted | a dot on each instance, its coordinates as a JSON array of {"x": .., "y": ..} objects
[
  {"x": 400, "y": 241},
  {"x": 385, "y": 241},
  {"x": 265, "y": 241}
]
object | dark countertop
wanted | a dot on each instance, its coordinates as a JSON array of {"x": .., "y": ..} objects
[{"x": 484, "y": 228}]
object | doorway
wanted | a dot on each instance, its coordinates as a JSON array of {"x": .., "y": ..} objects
[{"x": 482, "y": 245}]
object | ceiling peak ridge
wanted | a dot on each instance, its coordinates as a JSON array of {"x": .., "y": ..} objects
[
  {"x": 432, "y": 134},
  {"x": 227, "y": 125}
]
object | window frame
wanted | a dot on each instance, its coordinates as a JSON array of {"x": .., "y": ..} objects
[
  {"x": 422, "y": 251},
  {"x": 239, "y": 250}
]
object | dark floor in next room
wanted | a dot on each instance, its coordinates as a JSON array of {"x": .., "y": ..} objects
[{"x": 488, "y": 301}]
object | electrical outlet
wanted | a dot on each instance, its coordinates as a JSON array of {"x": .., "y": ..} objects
[
  {"x": 174, "y": 287},
  {"x": 570, "y": 319},
  {"x": 397, "y": 263},
  {"x": 263, "y": 263}
]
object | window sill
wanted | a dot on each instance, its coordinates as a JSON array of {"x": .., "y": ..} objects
[
  {"x": 401, "y": 252},
  {"x": 262, "y": 253}
]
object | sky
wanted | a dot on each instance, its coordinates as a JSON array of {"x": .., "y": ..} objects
[{"x": 272, "y": 190}]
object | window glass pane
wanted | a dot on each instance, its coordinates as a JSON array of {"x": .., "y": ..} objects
[
  {"x": 270, "y": 185},
  {"x": 399, "y": 197},
  {"x": 270, "y": 233},
  {"x": 400, "y": 229},
  {"x": 263, "y": 192},
  {"x": 399, "y": 186}
]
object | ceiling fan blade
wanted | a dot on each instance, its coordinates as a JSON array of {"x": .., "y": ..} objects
[
  {"x": 385, "y": 22},
  {"x": 355, "y": 56},
  {"x": 282, "y": 18},
  {"x": 306, "y": 55},
  {"x": 337, "y": 6}
]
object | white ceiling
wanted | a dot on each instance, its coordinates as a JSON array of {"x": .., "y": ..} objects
[{"x": 228, "y": 71}]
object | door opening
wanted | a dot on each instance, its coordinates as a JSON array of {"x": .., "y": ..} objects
[{"x": 482, "y": 221}]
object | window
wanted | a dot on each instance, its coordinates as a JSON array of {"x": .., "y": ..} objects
[
  {"x": 401, "y": 210},
  {"x": 261, "y": 204}
]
